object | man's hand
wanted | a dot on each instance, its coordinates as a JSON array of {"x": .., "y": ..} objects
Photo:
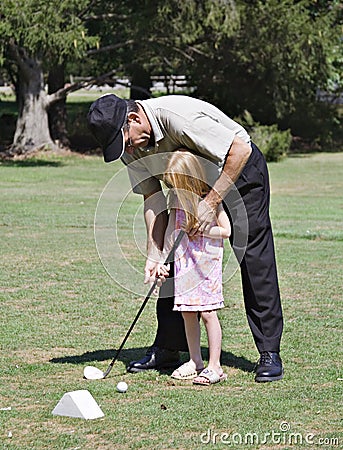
[
  {"x": 237, "y": 157},
  {"x": 206, "y": 215}
]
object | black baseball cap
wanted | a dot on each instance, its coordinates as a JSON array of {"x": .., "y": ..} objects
[{"x": 106, "y": 118}]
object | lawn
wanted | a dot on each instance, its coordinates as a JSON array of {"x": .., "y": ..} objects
[{"x": 63, "y": 307}]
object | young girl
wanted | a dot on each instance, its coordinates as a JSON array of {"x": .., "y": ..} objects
[{"x": 197, "y": 266}]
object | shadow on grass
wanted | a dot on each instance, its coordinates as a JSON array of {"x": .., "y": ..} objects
[
  {"x": 228, "y": 359},
  {"x": 31, "y": 163}
]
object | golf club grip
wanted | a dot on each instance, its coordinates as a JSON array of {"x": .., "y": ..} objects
[{"x": 169, "y": 258}]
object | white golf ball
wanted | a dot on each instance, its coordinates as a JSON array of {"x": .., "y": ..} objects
[{"x": 122, "y": 386}]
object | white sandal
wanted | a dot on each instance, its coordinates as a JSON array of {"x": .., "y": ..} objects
[
  {"x": 208, "y": 377},
  {"x": 186, "y": 372}
]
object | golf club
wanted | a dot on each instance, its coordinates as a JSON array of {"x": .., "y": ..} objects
[{"x": 92, "y": 373}]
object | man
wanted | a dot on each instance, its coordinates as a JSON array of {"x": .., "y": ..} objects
[{"x": 142, "y": 133}]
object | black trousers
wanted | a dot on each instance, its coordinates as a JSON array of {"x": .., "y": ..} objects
[{"x": 252, "y": 242}]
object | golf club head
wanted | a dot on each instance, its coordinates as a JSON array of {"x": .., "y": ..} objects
[{"x": 92, "y": 373}]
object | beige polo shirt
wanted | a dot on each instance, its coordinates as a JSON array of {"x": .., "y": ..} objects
[{"x": 181, "y": 121}]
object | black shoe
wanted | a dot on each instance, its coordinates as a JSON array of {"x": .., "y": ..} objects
[
  {"x": 156, "y": 358},
  {"x": 269, "y": 367}
]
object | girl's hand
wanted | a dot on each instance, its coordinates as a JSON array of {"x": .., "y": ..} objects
[
  {"x": 155, "y": 270},
  {"x": 162, "y": 272}
]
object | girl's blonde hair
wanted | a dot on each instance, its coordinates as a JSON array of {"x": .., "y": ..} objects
[{"x": 185, "y": 174}]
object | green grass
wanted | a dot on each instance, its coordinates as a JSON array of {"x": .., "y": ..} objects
[{"x": 61, "y": 311}]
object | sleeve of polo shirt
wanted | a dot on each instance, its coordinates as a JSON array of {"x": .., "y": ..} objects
[
  {"x": 208, "y": 137},
  {"x": 141, "y": 180}
]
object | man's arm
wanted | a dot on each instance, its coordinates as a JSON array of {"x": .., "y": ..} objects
[
  {"x": 236, "y": 159},
  {"x": 156, "y": 220}
]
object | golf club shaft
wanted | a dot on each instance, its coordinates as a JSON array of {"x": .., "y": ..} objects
[{"x": 170, "y": 258}]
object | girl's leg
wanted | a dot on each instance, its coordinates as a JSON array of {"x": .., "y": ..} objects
[
  {"x": 192, "y": 328},
  {"x": 214, "y": 336}
]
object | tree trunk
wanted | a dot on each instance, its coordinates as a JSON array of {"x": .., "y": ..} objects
[
  {"x": 57, "y": 112},
  {"x": 140, "y": 82},
  {"x": 32, "y": 129}
]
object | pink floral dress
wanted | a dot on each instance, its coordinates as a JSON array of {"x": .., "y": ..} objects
[{"x": 198, "y": 272}]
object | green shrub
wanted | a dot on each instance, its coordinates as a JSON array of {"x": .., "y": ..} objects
[{"x": 272, "y": 142}]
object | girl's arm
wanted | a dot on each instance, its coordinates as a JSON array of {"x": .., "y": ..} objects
[
  {"x": 162, "y": 270},
  {"x": 223, "y": 227},
  {"x": 169, "y": 234},
  {"x": 156, "y": 217}
]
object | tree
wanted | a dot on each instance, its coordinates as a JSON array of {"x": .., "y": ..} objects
[
  {"x": 57, "y": 112},
  {"x": 265, "y": 56},
  {"x": 36, "y": 36},
  {"x": 158, "y": 36},
  {"x": 274, "y": 63}
]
